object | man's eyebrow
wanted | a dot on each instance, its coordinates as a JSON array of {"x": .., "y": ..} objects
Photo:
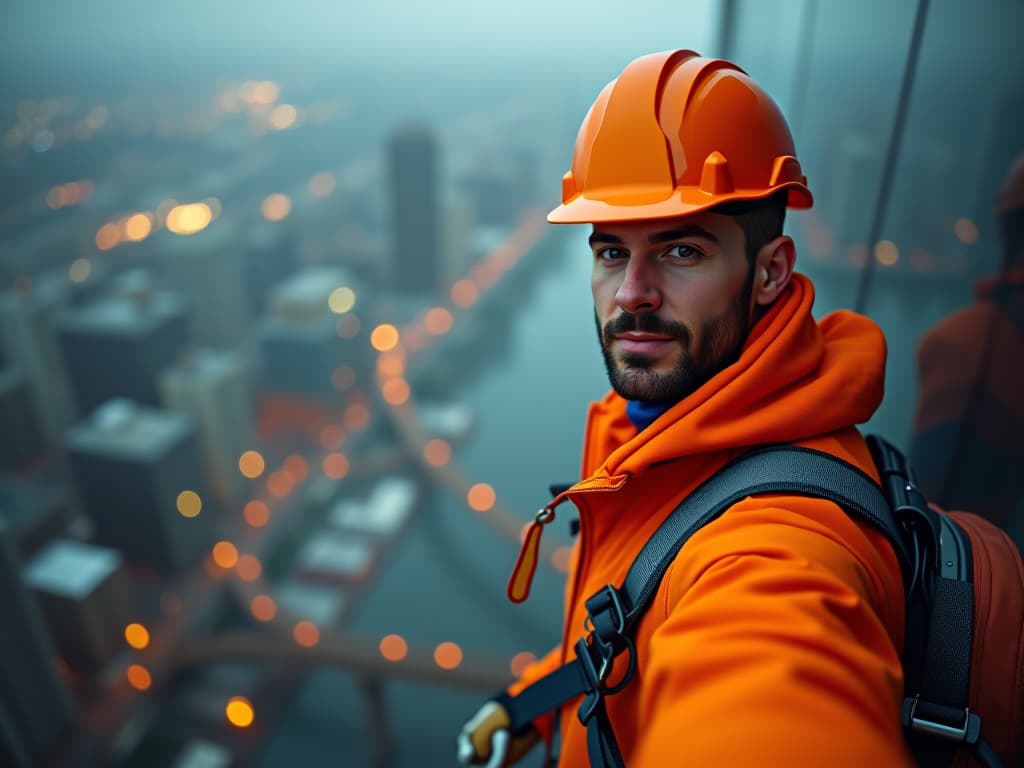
[
  {"x": 604, "y": 237},
  {"x": 690, "y": 230}
]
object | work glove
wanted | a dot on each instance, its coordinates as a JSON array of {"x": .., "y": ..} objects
[{"x": 486, "y": 739}]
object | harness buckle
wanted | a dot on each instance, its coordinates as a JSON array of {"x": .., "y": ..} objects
[
  {"x": 606, "y": 617},
  {"x": 968, "y": 731}
]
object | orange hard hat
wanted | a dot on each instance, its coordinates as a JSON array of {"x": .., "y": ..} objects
[
  {"x": 1011, "y": 196},
  {"x": 678, "y": 133}
]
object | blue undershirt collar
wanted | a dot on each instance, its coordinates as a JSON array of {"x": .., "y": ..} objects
[{"x": 643, "y": 414}]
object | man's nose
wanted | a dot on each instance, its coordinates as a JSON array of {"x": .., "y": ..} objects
[{"x": 639, "y": 290}]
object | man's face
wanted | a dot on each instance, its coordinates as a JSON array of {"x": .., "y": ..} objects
[{"x": 671, "y": 301}]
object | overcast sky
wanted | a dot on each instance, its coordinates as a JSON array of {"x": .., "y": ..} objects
[{"x": 439, "y": 34}]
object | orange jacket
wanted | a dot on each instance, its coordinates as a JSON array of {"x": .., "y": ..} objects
[
  {"x": 773, "y": 638},
  {"x": 968, "y": 443}
]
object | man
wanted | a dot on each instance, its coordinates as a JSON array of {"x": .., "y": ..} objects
[
  {"x": 773, "y": 639},
  {"x": 968, "y": 444}
]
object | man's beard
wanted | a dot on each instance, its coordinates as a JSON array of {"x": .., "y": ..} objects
[{"x": 721, "y": 340}]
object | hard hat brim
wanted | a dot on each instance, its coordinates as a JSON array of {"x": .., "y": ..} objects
[{"x": 582, "y": 210}]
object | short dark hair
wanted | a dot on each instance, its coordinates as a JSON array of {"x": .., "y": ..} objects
[{"x": 761, "y": 220}]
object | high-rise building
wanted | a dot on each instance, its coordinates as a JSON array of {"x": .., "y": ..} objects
[
  {"x": 22, "y": 437},
  {"x": 458, "y": 227},
  {"x": 414, "y": 210},
  {"x": 139, "y": 474},
  {"x": 270, "y": 256},
  {"x": 28, "y": 335},
  {"x": 117, "y": 346},
  {"x": 207, "y": 270},
  {"x": 311, "y": 333},
  {"x": 36, "y": 709},
  {"x": 83, "y": 593},
  {"x": 36, "y": 508},
  {"x": 215, "y": 388}
]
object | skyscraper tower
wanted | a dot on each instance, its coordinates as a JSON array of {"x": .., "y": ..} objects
[
  {"x": 29, "y": 338},
  {"x": 118, "y": 346},
  {"x": 414, "y": 210},
  {"x": 214, "y": 388},
  {"x": 36, "y": 709},
  {"x": 139, "y": 474}
]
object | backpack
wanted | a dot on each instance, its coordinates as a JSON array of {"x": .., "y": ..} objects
[{"x": 963, "y": 654}]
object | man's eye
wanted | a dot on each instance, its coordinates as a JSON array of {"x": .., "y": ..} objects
[
  {"x": 611, "y": 254},
  {"x": 683, "y": 253}
]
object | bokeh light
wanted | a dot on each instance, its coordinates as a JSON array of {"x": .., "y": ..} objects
[
  {"x": 341, "y": 300},
  {"x": 263, "y": 608},
  {"x": 239, "y": 712},
  {"x": 448, "y": 655},
  {"x": 887, "y": 253},
  {"x": 438, "y": 320},
  {"x": 520, "y": 662},
  {"x": 79, "y": 270},
  {"x": 139, "y": 677},
  {"x": 966, "y": 231},
  {"x": 256, "y": 513},
  {"x": 283, "y": 116},
  {"x": 276, "y": 207},
  {"x": 322, "y": 184},
  {"x": 280, "y": 484},
  {"x": 249, "y": 568},
  {"x": 393, "y": 647},
  {"x": 137, "y": 227},
  {"x": 357, "y": 417},
  {"x": 395, "y": 391},
  {"x": 335, "y": 465},
  {"x": 464, "y": 293},
  {"x": 188, "y": 219},
  {"x": 306, "y": 634},
  {"x": 137, "y": 636},
  {"x": 251, "y": 464},
  {"x": 189, "y": 504},
  {"x": 107, "y": 236},
  {"x": 437, "y": 452},
  {"x": 225, "y": 554},
  {"x": 481, "y": 497},
  {"x": 384, "y": 337}
]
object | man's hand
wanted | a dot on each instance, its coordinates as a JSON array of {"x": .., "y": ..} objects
[{"x": 486, "y": 740}]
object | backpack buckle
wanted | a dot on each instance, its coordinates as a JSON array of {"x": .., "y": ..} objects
[
  {"x": 607, "y": 616},
  {"x": 968, "y": 731}
]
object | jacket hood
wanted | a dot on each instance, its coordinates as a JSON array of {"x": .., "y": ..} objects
[{"x": 795, "y": 378}]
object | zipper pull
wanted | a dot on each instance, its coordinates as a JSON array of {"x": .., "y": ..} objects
[{"x": 526, "y": 564}]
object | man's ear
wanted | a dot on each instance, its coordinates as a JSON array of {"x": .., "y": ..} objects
[{"x": 773, "y": 269}]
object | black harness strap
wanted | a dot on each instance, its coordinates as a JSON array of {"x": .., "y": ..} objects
[{"x": 788, "y": 469}]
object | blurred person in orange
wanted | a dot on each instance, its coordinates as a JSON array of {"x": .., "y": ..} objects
[{"x": 968, "y": 435}]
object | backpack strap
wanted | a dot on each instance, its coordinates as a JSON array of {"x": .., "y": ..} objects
[
  {"x": 939, "y": 623},
  {"x": 612, "y": 613}
]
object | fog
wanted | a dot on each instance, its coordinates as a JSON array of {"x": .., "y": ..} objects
[{"x": 275, "y": 278}]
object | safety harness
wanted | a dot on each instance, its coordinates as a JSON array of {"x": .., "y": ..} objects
[{"x": 934, "y": 554}]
